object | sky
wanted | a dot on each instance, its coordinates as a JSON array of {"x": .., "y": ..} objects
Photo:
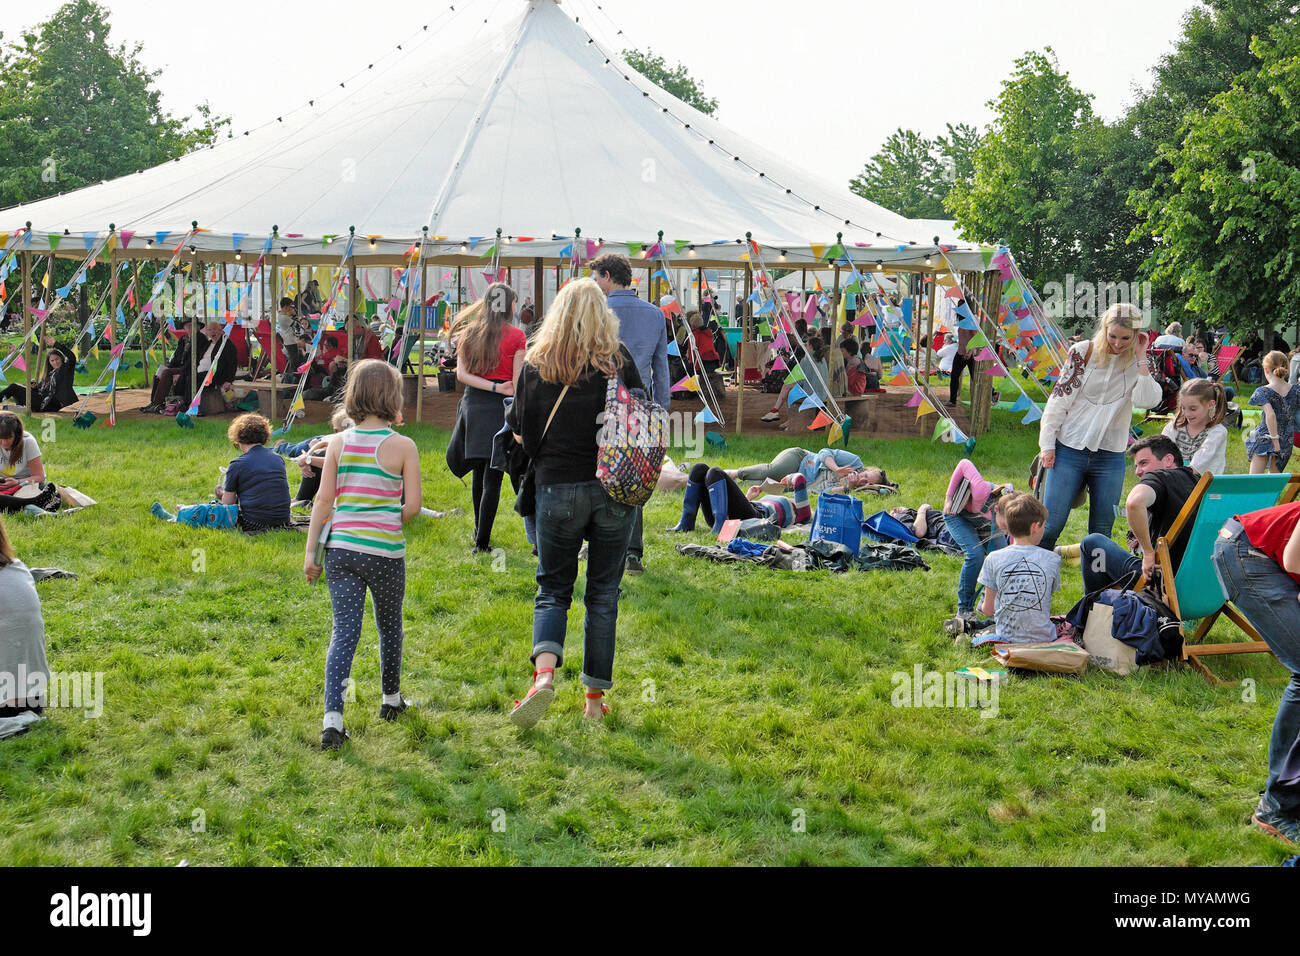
[{"x": 821, "y": 82}]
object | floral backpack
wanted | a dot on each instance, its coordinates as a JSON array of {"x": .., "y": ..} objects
[{"x": 633, "y": 440}]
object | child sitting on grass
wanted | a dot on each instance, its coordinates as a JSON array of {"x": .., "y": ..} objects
[{"x": 1020, "y": 579}]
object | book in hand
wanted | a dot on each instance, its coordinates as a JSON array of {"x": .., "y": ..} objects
[
  {"x": 961, "y": 497},
  {"x": 318, "y": 555}
]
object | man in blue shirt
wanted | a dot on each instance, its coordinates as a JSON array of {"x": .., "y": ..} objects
[{"x": 644, "y": 333}]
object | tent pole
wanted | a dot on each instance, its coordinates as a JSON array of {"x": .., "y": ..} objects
[
  {"x": 746, "y": 328},
  {"x": 929, "y": 332},
  {"x": 275, "y": 304},
  {"x": 538, "y": 290},
  {"x": 27, "y": 315},
  {"x": 419, "y": 370},
  {"x": 354, "y": 300},
  {"x": 194, "y": 346}
]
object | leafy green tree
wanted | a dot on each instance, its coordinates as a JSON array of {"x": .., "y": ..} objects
[
  {"x": 677, "y": 80},
  {"x": 912, "y": 175},
  {"x": 905, "y": 177},
  {"x": 75, "y": 110},
  {"x": 1213, "y": 50},
  {"x": 1022, "y": 167},
  {"x": 1226, "y": 209}
]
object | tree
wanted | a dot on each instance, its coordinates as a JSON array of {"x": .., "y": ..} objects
[
  {"x": 1022, "y": 165},
  {"x": 905, "y": 176},
  {"x": 1226, "y": 209},
  {"x": 75, "y": 110},
  {"x": 912, "y": 175},
  {"x": 677, "y": 81},
  {"x": 1213, "y": 51}
]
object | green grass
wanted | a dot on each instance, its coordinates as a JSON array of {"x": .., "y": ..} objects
[{"x": 771, "y": 695}]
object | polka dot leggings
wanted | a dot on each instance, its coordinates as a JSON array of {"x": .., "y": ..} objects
[{"x": 349, "y": 574}]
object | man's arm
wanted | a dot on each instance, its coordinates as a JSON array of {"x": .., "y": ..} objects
[
  {"x": 1141, "y": 498},
  {"x": 986, "y": 606}
]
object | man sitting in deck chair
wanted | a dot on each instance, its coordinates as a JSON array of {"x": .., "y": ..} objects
[{"x": 1153, "y": 505}]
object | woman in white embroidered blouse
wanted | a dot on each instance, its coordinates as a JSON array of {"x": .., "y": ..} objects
[{"x": 1085, "y": 427}]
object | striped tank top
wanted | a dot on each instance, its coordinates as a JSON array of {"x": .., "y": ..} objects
[{"x": 368, "y": 499}]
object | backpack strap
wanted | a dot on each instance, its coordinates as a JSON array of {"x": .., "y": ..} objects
[{"x": 554, "y": 409}]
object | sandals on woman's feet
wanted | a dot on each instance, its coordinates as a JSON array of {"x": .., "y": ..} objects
[
  {"x": 532, "y": 708},
  {"x": 604, "y": 708}
]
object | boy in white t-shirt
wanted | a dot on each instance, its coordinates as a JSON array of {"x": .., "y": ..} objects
[{"x": 1020, "y": 579}]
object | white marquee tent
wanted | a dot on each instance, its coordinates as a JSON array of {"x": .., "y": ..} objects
[{"x": 536, "y": 130}]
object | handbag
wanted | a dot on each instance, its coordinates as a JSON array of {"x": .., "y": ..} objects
[
  {"x": 1103, "y": 649},
  {"x": 631, "y": 447},
  {"x": 526, "y": 499},
  {"x": 839, "y": 519}
]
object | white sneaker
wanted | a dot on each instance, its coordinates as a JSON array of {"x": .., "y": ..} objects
[{"x": 771, "y": 417}]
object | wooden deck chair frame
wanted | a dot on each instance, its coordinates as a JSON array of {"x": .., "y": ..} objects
[{"x": 1193, "y": 649}]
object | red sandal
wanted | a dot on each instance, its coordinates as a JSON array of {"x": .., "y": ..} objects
[
  {"x": 597, "y": 695},
  {"x": 532, "y": 708}
]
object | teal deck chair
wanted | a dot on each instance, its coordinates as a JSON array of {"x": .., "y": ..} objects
[{"x": 1194, "y": 593}]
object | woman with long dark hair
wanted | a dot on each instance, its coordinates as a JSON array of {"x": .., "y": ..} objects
[{"x": 489, "y": 356}]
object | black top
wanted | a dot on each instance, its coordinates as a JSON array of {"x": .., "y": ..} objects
[
  {"x": 568, "y": 455},
  {"x": 1173, "y": 486},
  {"x": 58, "y": 384}
]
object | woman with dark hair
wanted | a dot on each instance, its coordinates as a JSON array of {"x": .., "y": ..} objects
[
  {"x": 22, "y": 473},
  {"x": 53, "y": 391},
  {"x": 489, "y": 356},
  {"x": 22, "y": 639}
]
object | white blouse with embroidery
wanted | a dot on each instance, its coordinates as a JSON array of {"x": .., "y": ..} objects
[{"x": 1091, "y": 407}]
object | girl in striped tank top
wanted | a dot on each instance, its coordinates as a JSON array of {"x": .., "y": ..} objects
[{"x": 371, "y": 482}]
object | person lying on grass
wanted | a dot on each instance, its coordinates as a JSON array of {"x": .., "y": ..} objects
[
  {"x": 721, "y": 499},
  {"x": 309, "y": 456},
  {"x": 1020, "y": 579},
  {"x": 255, "y": 493},
  {"x": 830, "y": 466}
]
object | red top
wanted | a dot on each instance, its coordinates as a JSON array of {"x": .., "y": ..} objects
[
  {"x": 367, "y": 348},
  {"x": 704, "y": 342},
  {"x": 1269, "y": 530},
  {"x": 512, "y": 340}
]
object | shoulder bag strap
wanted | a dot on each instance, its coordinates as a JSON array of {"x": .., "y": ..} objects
[{"x": 554, "y": 409}]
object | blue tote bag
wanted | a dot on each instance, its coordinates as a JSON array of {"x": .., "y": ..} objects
[{"x": 838, "y": 518}]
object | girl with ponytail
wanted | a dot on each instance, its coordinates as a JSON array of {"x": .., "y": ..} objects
[{"x": 1198, "y": 428}]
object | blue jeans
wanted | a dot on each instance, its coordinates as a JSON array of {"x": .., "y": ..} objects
[
  {"x": 294, "y": 449},
  {"x": 1107, "y": 564},
  {"x": 566, "y": 514},
  {"x": 977, "y": 538},
  {"x": 1266, "y": 595},
  {"x": 1102, "y": 472}
]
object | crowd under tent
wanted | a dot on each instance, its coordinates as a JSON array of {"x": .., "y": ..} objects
[{"x": 522, "y": 145}]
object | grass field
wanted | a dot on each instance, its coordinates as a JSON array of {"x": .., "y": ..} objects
[{"x": 752, "y": 719}]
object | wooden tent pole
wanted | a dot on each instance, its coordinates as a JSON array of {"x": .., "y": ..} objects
[
  {"x": 538, "y": 291},
  {"x": 419, "y": 370},
  {"x": 27, "y": 315},
  {"x": 272, "y": 315},
  {"x": 746, "y": 330}
]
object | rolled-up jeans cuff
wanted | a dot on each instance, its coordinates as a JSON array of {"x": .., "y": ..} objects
[
  {"x": 595, "y": 683},
  {"x": 547, "y": 647}
]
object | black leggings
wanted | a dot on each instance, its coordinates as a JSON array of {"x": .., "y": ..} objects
[
  {"x": 959, "y": 364},
  {"x": 487, "y": 492},
  {"x": 308, "y": 487},
  {"x": 18, "y": 393},
  {"x": 738, "y": 506}
]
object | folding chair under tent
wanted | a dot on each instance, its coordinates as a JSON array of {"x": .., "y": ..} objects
[{"x": 1194, "y": 593}]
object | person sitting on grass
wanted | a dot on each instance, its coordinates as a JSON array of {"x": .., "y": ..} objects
[
  {"x": 53, "y": 391},
  {"x": 255, "y": 494},
  {"x": 1020, "y": 579},
  {"x": 309, "y": 455},
  {"x": 22, "y": 639},
  {"x": 714, "y": 492}
]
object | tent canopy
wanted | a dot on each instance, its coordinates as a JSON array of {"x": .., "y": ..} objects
[{"x": 536, "y": 131}]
